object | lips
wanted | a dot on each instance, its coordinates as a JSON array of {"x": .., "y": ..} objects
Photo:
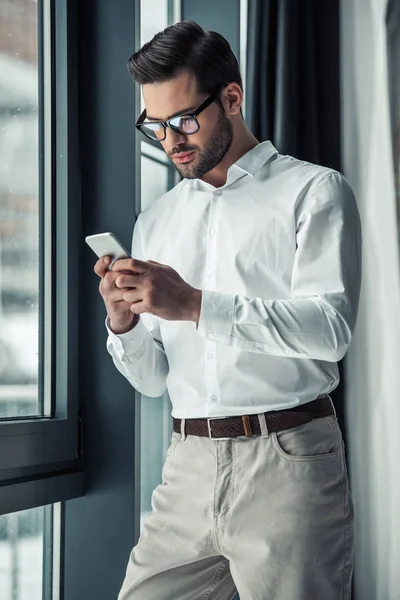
[{"x": 184, "y": 157}]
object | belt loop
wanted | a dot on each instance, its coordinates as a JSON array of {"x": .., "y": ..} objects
[
  {"x": 333, "y": 406},
  {"x": 247, "y": 425},
  {"x": 183, "y": 433},
  {"x": 263, "y": 425}
]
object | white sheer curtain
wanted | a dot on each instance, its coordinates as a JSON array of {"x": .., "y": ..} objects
[{"x": 373, "y": 361}]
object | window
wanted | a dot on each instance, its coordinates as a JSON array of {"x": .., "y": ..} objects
[
  {"x": 158, "y": 175},
  {"x": 26, "y": 543},
  {"x": 34, "y": 397},
  {"x": 39, "y": 425},
  {"x": 153, "y": 18},
  {"x": 19, "y": 210},
  {"x": 156, "y": 178},
  {"x": 155, "y": 175}
]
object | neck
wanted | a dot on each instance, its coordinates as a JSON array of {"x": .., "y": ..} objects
[{"x": 243, "y": 141}]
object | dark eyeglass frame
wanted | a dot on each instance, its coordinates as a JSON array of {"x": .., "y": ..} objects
[{"x": 194, "y": 114}]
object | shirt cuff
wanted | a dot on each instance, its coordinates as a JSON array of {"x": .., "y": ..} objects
[
  {"x": 129, "y": 342},
  {"x": 216, "y": 316}
]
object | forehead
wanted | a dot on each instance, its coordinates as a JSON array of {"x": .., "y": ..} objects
[{"x": 167, "y": 98}]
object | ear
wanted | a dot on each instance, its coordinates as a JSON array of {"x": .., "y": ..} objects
[{"x": 232, "y": 98}]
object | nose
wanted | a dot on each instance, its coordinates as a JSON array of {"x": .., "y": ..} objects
[{"x": 172, "y": 139}]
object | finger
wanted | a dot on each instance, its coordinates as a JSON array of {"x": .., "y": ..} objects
[
  {"x": 101, "y": 266},
  {"x": 108, "y": 281},
  {"x": 137, "y": 307},
  {"x": 117, "y": 307},
  {"x": 131, "y": 296},
  {"x": 128, "y": 281},
  {"x": 112, "y": 281},
  {"x": 131, "y": 264},
  {"x": 115, "y": 296}
]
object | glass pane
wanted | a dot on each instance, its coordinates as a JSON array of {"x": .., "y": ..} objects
[
  {"x": 155, "y": 412},
  {"x": 25, "y": 538},
  {"x": 19, "y": 209},
  {"x": 154, "y": 180},
  {"x": 155, "y": 152},
  {"x": 155, "y": 416},
  {"x": 153, "y": 18}
]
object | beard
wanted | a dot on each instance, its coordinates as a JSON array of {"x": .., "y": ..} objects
[{"x": 212, "y": 153}]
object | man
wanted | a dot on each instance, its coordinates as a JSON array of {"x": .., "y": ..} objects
[{"x": 247, "y": 303}]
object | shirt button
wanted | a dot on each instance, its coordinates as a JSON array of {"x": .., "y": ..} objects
[
  {"x": 211, "y": 336},
  {"x": 218, "y": 193},
  {"x": 210, "y": 355},
  {"x": 213, "y": 231},
  {"x": 214, "y": 398},
  {"x": 210, "y": 271}
]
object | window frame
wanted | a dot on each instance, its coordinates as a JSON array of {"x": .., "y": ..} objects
[{"x": 41, "y": 457}]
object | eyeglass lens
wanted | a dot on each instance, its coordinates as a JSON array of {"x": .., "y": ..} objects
[{"x": 183, "y": 124}]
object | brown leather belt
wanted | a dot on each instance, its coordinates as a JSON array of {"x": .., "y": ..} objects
[{"x": 248, "y": 425}]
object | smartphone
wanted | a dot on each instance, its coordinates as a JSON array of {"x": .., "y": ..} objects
[{"x": 106, "y": 244}]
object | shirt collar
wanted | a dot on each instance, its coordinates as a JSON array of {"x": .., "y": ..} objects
[
  {"x": 248, "y": 164},
  {"x": 255, "y": 158}
]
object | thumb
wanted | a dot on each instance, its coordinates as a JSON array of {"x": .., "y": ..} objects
[{"x": 154, "y": 262}]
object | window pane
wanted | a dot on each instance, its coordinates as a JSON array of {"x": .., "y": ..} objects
[
  {"x": 25, "y": 539},
  {"x": 155, "y": 416},
  {"x": 153, "y": 18},
  {"x": 157, "y": 153},
  {"x": 19, "y": 209},
  {"x": 155, "y": 412},
  {"x": 154, "y": 181}
]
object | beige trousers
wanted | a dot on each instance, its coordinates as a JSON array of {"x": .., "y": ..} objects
[{"x": 269, "y": 516}]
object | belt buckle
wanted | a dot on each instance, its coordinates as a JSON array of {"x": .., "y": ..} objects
[{"x": 209, "y": 429}]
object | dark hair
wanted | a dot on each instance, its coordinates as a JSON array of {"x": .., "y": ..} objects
[{"x": 186, "y": 46}]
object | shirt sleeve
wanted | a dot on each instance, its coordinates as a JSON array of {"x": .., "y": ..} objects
[
  {"x": 318, "y": 319},
  {"x": 139, "y": 354}
]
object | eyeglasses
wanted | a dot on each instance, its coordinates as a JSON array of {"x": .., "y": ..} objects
[{"x": 186, "y": 124}]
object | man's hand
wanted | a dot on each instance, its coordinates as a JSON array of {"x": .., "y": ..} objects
[
  {"x": 157, "y": 289},
  {"x": 121, "y": 317}
]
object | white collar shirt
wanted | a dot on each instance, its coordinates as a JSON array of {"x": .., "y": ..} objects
[{"x": 276, "y": 252}]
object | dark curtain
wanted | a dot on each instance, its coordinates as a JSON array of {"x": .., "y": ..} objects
[
  {"x": 393, "y": 47},
  {"x": 293, "y": 80},
  {"x": 293, "y": 87}
]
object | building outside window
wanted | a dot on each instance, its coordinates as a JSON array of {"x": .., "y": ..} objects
[{"x": 24, "y": 539}]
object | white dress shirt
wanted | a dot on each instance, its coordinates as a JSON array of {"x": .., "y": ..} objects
[{"x": 276, "y": 252}]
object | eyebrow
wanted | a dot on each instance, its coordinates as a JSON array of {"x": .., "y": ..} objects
[{"x": 180, "y": 112}]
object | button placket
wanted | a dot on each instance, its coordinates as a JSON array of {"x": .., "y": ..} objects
[
  {"x": 210, "y": 366},
  {"x": 211, "y": 250}
]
